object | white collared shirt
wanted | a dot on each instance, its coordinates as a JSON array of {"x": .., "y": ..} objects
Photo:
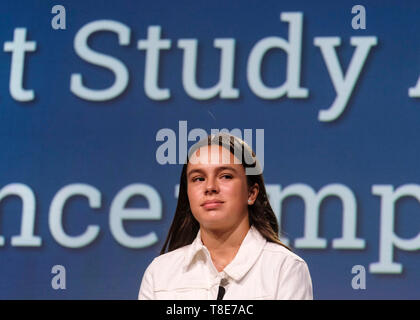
[{"x": 260, "y": 270}]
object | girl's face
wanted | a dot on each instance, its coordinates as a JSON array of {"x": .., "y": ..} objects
[{"x": 217, "y": 188}]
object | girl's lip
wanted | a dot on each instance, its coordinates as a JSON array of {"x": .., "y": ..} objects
[{"x": 212, "y": 204}]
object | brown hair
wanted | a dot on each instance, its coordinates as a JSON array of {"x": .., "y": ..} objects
[{"x": 184, "y": 226}]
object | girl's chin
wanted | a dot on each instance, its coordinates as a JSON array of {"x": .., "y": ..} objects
[{"x": 213, "y": 222}]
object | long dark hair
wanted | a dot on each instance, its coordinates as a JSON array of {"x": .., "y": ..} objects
[{"x": 184, "y": 226}]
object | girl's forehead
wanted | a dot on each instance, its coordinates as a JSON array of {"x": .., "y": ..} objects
[{"x": 214, "y": 155}]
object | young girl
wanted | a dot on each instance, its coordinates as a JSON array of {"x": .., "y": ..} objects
[{"x": 223, "y": 242}]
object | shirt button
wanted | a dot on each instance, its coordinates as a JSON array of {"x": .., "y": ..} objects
[{"x": 224, "y": 282}]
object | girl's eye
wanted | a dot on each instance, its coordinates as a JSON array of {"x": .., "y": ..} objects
[{"x": 198, "y": 179}]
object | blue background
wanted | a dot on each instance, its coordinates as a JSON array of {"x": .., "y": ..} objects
[{"x": 59, "y": 139}]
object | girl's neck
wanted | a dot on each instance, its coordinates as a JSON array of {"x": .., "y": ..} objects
[{"x": 223, "y": 245}]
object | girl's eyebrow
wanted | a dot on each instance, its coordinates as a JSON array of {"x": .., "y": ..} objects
[
  {"x": 218, "y": 169},
  {"x": 194, "y": 171}
]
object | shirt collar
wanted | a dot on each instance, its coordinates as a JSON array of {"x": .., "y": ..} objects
[{"x": 248, "y": 253}]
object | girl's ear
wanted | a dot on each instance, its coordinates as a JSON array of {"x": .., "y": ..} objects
[{"x": 253, "y": 193}]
